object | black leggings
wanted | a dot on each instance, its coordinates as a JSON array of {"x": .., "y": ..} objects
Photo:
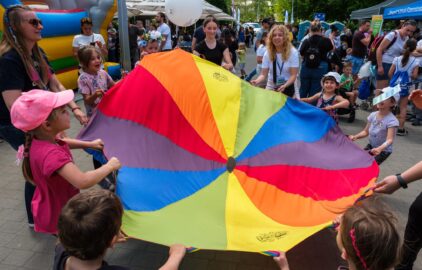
[{"x": 412, "y": 236}]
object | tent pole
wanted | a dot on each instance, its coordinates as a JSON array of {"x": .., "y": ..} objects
[{"x": 123, "y": 35}]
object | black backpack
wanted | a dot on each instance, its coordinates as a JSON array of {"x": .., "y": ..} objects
[{"x": 312, "y": 55}]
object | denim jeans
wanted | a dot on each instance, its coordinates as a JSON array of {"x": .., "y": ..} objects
[
  {"x": 251, "y": 75},
  {"x": 310, "y": 79},
  {"x": 15, "y": 138}
]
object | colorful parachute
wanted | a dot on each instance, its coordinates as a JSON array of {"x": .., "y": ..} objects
[{"x": 215, "y": 163}]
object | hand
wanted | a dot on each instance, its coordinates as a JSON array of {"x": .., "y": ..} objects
[
  {"x": 281, "y": 261},
  {"x": 281, "y": 88},
  {"x": 380, "y": 70},
  {"x": 177, "y": 250},
  {"x": 254, "y": 82},
  {"x": 388, "y": 185},
  {"x": 328, "y": 108},
  {"x": 121, "y": 238},
  {"x": 114, "y": 163},
  {"x": 99, "y": 93},
  {"x": 227, "y": 66},
  {"x": 353, "y": 137},
  {"x": 416, "y": 93},
  {"x": 375, "y": 151},
  {"x": 97, "y": 144},
  {"x": 99, "y": 44},
  {"x": 81, "y": 116}
]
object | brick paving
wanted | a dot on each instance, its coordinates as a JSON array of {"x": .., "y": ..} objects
[{"x": 21, "y": 248}]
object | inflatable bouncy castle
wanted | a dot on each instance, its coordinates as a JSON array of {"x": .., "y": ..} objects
[{"x": 61, "y": 21}]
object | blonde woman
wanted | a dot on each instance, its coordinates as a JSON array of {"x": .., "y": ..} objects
[{"x": 280, "y": 63}]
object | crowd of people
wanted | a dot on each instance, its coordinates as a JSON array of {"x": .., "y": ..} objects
[{"x": 33, "y": 120}]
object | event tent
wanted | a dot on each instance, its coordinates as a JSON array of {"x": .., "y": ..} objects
[
  {"x": 151, "y": 7},
  {"x": 410, "y": 11},
  {"x": 367, "y": 13}
]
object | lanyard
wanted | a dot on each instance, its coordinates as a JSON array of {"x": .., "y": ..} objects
[{"x": 280, "y": 67}]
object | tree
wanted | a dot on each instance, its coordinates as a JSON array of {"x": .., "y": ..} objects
[
  {"x": 335, "y": 10},
  {"x": 223, "y": 4}
]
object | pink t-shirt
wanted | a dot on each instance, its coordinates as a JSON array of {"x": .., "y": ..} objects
[{"x": 52, "y": 191}]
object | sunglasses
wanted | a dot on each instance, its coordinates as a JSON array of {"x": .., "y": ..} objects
[
  {"x": 34, "y": 22},
  {"x": 86, "y": 20}
]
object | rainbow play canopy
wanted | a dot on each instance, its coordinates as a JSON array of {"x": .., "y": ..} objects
[{"x": 212, "y": 162}]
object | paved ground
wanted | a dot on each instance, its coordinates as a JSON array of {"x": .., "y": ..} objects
[{"x": 21, "y": 248}]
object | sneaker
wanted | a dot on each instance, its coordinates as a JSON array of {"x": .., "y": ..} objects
[
  {"x": 416, "y": 122},
  {"x": 31, "y": 224},
  {"x": 402, "y": 132}
]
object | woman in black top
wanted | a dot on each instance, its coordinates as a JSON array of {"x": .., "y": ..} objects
[
  {"x": 24, "y": 66},
  {"x": 311, "y": 74},
  {"x": 210, "y": 48}
]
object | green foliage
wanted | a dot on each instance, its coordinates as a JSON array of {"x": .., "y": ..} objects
[
  {"x": 223, "y": 4},
  {"x": 335, "y": 10}
]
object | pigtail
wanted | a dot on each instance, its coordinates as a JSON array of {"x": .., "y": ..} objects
[
  {"x": 405, "y": 58},
  {"x": 26, "y": 166},
  {"x": 409, "y": 48}
]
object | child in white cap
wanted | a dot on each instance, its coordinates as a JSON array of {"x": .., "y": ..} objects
[
  {"x": 47, "y": 160},
  {"x": 328, "y": 99},
  {"x": 382, "y": 125}
]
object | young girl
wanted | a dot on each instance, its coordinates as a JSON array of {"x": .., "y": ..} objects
[
  {"x": 405, "y": 63},
  {"x": 280, "y": 63},
  {"x": 381, "y": 128},
  {"x": 149, "y": 43},
  {"x": 241, "y": 52},
  {"x": 93, "y": 81},
  {"x": 48, "y": 162},
  {"x": 327, "y": 99},
  {"x": 367, "y": 238}
]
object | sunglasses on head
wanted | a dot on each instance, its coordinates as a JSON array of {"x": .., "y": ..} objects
[{"x": 34, "y": 22}]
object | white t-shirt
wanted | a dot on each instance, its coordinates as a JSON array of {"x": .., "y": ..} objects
[
  {"x": 396, "y": 49},
  {"x": 284, "y": 74},
  {"x": 82, "y": 40},
  {"x": 410, "y": 66},
  {"x": 419, "y": 46},
  {"x": 262, "y": 49},
  {"x": 164, "y": 29}
]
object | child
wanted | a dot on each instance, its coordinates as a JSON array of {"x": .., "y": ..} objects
[
  {"x": 404, "y": 66},
  {"x": 381, "y": 127},
  {"x": 346, "y": 83},
  {"x": 150, "y": 43},
  {"x": 93, "y": 81},
  {"x": 48, "y": 162},
  {"x": 327, "y": 99},
  {"x": 98, "y": 215},
  {"x": 241, "y": 52},
  {"x": 367, "y": 238}
]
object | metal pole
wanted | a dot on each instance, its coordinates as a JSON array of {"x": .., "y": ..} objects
[{"x": 123, "y": 35}]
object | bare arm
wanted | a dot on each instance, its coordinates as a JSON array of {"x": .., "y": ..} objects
[
  {"x": 10, "y": 96},
  {"x": 163, "y": 42},
  {"x": 364, "y": 133},
  {"x": 83, "y": 180},
  {"x": 75, "y": 52},
  {"x": 176, "y": 254},
  {"x": 261, "y": 77},
  {"x": 341, "y": 102},
  {"x": 78, "y": 144},
  {"x": 293, "y": 74},
  {"x": 365, "y": 41},
  {"x": 415, "y": 73},
  {"x": 388, "y": 141},
  {"x": 311, "y": 99},
  {"x": 227, "y": 60},
  {"x": 193, "y": 43},
  {"x": 384, "y": 44},
  {"x": 390, "y": 183},
  {"x": 391, "y": 71}
]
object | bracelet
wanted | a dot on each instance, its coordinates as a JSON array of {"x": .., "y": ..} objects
[
  {"x": 76, "y": 108},
  {"x": 401, "y": 181}
]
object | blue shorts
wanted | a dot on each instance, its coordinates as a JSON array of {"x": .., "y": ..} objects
[
  {"x": 386, "y": 67},
  {"x": 357, "y": 63}
]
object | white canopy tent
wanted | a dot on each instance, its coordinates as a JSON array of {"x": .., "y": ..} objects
[{"x": 152, "y": 7}]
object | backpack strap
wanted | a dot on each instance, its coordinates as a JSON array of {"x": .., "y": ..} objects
[{"x": 275, "y": 70}]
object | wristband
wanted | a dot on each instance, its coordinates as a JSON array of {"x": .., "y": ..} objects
[
  {"x": 75, "y": 108},
  {"x": 401, "y": 181}
]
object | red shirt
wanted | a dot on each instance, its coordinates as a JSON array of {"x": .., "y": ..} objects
[{"x": 52, "y": 191}]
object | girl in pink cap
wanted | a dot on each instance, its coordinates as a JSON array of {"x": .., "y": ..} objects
[{"x": 47, "y": 161}]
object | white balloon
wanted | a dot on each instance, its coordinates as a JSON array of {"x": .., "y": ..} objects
[{"x": 183, "y": 12}]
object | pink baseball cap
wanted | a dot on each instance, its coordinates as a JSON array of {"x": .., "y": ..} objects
[{"x": 32, "y": 108}]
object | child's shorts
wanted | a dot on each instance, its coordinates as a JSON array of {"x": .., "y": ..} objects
[{"x": 242, "y": 65}]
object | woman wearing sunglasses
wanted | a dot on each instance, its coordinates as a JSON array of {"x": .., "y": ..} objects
[
  {"x": 88, "y": 37},
  {"x": 24, "y": 66}
]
